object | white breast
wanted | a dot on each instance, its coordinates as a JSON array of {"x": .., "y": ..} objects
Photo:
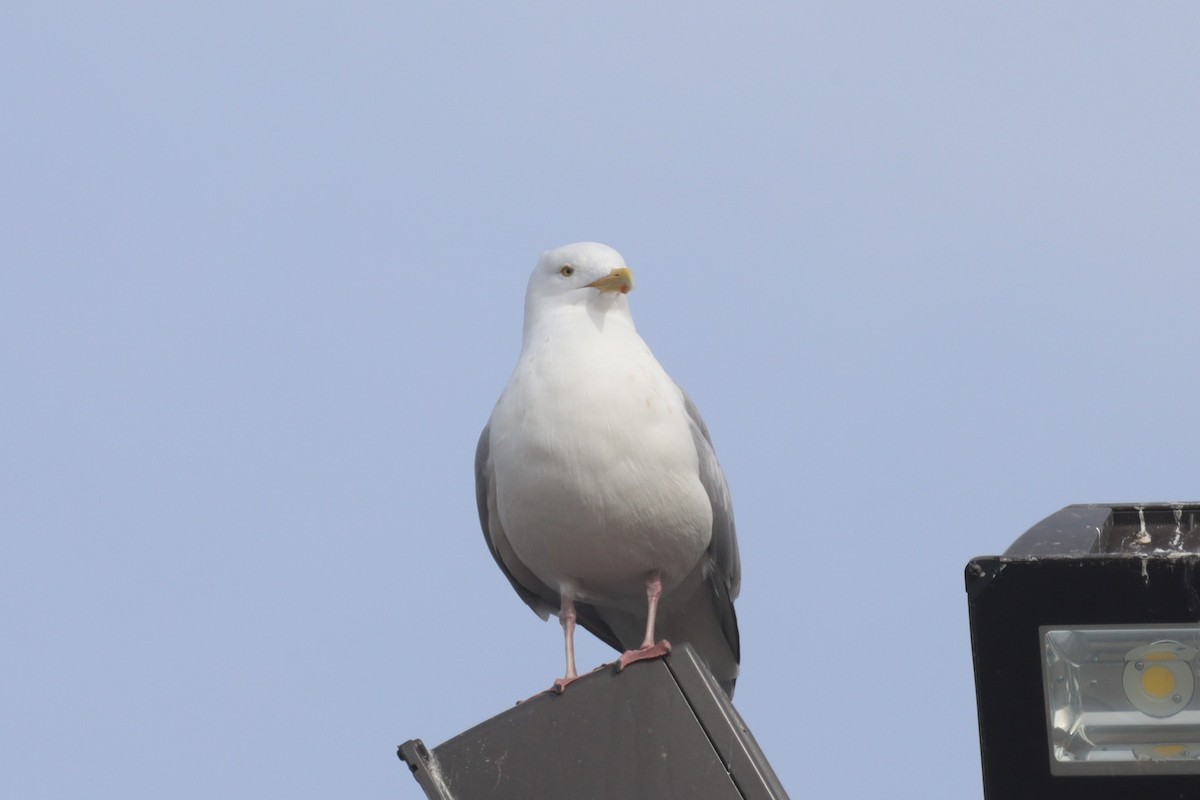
[{"x": 597, "y": 482}]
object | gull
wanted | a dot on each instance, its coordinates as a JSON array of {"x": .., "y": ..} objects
[{"x": 599, "y": 492}]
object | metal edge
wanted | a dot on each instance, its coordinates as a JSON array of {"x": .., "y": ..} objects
[
  {"x": 423, "y": 766},
  {"x": 742, "y": 756}
]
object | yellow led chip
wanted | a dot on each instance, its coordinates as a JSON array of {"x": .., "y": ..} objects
[
  {"x": 1159, "y": 678},
  {"x": 1158, "y": 681}
]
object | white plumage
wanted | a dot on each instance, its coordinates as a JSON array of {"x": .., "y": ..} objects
[{"x": 596, "y": 479}]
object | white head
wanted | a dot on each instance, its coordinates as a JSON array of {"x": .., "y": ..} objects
[{"x": 585, "y": 274}]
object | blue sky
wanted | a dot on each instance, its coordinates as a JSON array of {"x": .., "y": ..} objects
[{"x": 929, "y": 271}]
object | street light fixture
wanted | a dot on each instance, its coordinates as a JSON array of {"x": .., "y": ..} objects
[{"x": 1085, "y": 636}]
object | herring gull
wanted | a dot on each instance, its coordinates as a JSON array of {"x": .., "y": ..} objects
[{"x": 599, "y": 491}]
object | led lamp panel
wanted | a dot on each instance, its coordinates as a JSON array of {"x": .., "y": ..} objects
[{"x": 1122, "y": 699}]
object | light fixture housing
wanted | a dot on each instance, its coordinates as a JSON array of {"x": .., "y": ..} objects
[{"x": 1085, "y": 636}]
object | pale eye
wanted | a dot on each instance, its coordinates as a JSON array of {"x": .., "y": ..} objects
[{"x": 566, "y": 271}]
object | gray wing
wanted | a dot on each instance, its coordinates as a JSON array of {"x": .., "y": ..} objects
[
  {"x": 725, "y": 575},
  {"x": 724, "y": 547},
  {"x": 537, "y": 595}
]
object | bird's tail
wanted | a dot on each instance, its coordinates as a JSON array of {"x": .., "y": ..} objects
[{"x": 706, "y": 620}]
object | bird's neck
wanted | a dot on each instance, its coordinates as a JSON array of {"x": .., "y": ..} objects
[{"x": 606, "y": 316}]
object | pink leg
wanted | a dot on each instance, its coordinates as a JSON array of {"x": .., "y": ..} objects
[
  {"x": 566, "y": 615},
  {"x": 649, "y": 649}
]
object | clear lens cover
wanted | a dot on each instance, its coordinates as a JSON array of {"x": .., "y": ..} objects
[{"x": 1121, "y": 699}]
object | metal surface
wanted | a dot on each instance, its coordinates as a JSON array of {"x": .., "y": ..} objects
[
  {"x": 1085, "y": 565},
  {"x": 660, "y": 729}
]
